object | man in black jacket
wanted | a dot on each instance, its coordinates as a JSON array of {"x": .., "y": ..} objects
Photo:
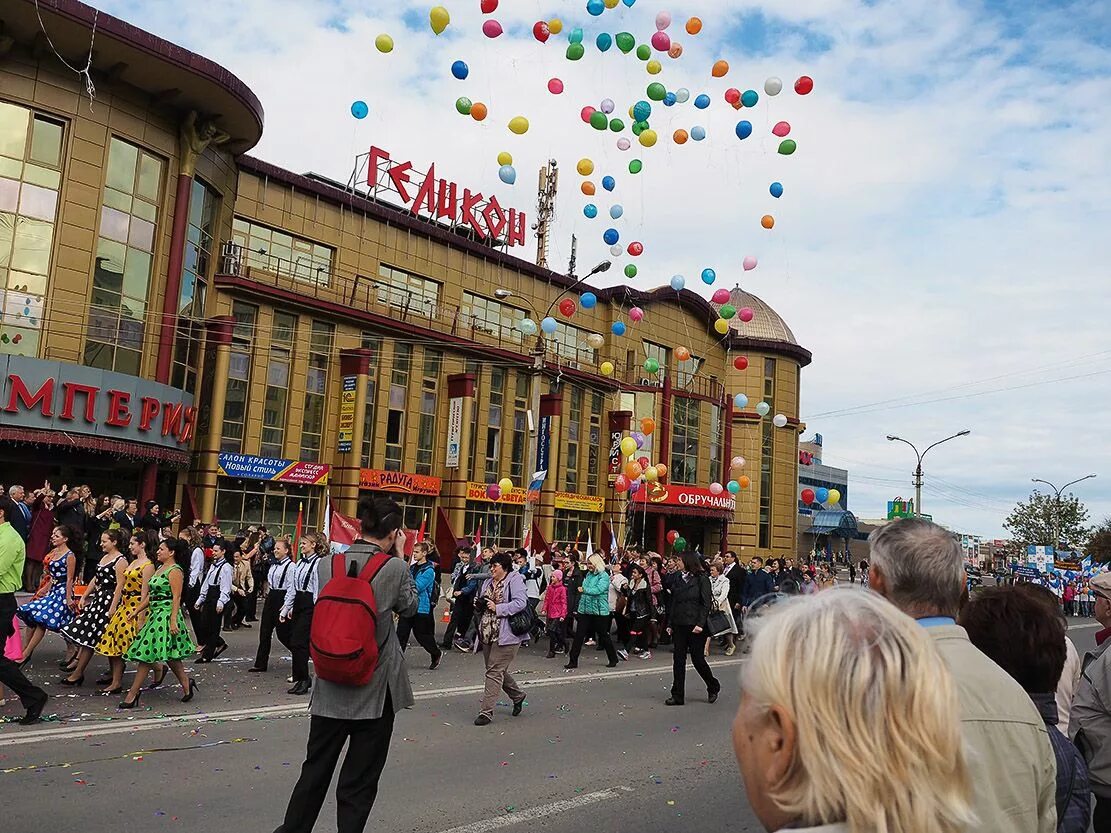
[{"x": 758, "y": 583}]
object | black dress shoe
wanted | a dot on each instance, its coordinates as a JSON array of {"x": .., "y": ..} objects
[
  {"x": 156, "y": 683},
  {"x": 483, "y": 720},
  {"x": 571, "y": 665},
  {"x": 713, "y": 696},
  {"x": 611, "y": 665},
  {"x": 436, "y": 662},
  {"x": 520, "y": 704},
  {"x": 34, "y": 712},
  {"x": 255, "y": 670},
  {"x": 192, "y": 690},
  {"x": 66, "y": 681},
  {"x": 300, "y": 687},
  {"x": 671, "y": 701}
]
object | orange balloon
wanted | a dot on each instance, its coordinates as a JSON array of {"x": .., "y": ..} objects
[
  {"x": 682, "y": 354},
  {"x": 720, "y": 68},
  {"x": 694, "y": 26},
  {"x": 661, "y": 470},
  {"x": 633, "y": 470},
  {"x": 648, "y": 425},
  {"x": 675, "y": 50},
  {"x": 680, "y": 137},
  {"x": 767, "y": 221},
  {"x": 478, "y": 111},
  {"x": 588, "y": 188},
  {"x": 743, "y": 481}
]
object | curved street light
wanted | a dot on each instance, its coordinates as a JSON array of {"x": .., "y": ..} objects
[
  {"x": 918, "y": 468},
  {"x": 1057, "y": 505}
]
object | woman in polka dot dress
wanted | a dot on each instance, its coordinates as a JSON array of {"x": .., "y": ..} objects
[
  {"x": 123, "y": 625},
  {"x": 99, "y": 602},
  {"x": 53, "y": 606}
]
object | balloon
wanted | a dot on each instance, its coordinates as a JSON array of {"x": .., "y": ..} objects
[
  {"x": 822, "y": 494},
  {"x": 676, "y": 49},
  {"x": 631, "y": 271},
  {"x": 733, "y": 486},
  {"x": 618, "y": 328},
  {"x": 694, "y": 26},
  {"x": 383, "y": 43},
  {"x": 804, "y": 85},
  {"x": 698, "y": 133},
  {"x": 596, "y": 341},
  {"x": 555, "y": 25},
  {"x": 746, "y": 314},
  {"x": 651, "y": 367},
  {"x": 648, "y": 138},
  {"x": 598, "y": 120},
  {"x": 744, "y": 129},
  {"x": 740, "y": 401},
  {"x": 633, "y": 470},
  {"x": 672, "y": 536},
  {"x": 776, "y": 189},
  {"x": 611, "y": 236},
  {"x": 595, "y": 7},
  {"x": 585, "y": 167},
  {"x": 586, "y": 113},
  {"x": 607, "y": 105},
  {"x": 460, "y": 70},
  {"x": 616, "y": 250},
  {"x": 651, "y": 474},
  {"x": 628, "y": 446},
  {"x": 567, "y": 307},
  {"x": 702, "y": 101},
  {"x": 549, "y": 325},
  {"x": 603, "y": 42},
  {"x": 749, "y": 263},
  {"x": 620, "y": 483},
  {"x": 743, "y": 481},
  {"x": 641, "y": 111},
  {"x": 644, "y": 52},
  {"x": 507, "y": 174},
  {"x": 609, "y": 183},
  {"x": 606, "y": 368},
  {"x": 720, "y": 69},
  {"x": 749, "y": 98},
  {"x": 616, "y": 125},
  {"x": 590, "y": 210},
  {"x": 741, "y": 363},
  {"x": 661, "y": 41},
  {"x": 493, "y": 491},
  {"x": 656, "y": 91},
  {"x": 722, "y": 326},
  {"x": 575, "y": 51},
  {"x": 807, "y": 496},
  {"x": 834, "y": 497},
  {"x": 654, "y": 67},
  {"x": 506, "y": 486},
  {"x": 588, "y": 188},
  {"x": 773, "y": 86},
  {"x": 615, "y": 210},
  {"x": 779, "y": 421},
  {"x": 636, "y": 314},
  {"x": 739, "y": 462},
  {"x": 636, "y": 166},
  {"x": 634, "y": 487},
  {"x": 636, "y": 249},
  {"x": 359, "y": 109},
  {"x": 787, "y": 147},
  {"x": 680, "y": 137},
  {"x": 727, "y": 311},
  {"x": 732, "y": 95},
  {"x": 709, "y": 276},
  {"x": 716, "y": 488},
  {"x": 479, "y": 111},
  {"x": 763, "y": 408},
  {"x": 767, "y": 221},
  {"x": 663, "y": 20},
  {"x": 680, "y": 544},
  {"x": 438, "y": 19},
  {"x": 720, "y": 296},
  {"x": 588, "y": 300},
  {"x": 527, "y": 326},
  {"x": 682, "y": 354},
  {"x": 781, "y": 128},
  {"x": 662, "y": 469},
  {"x": 625, "y": 42},
  {"x": 647, "y": 425},
  {"x": 488, "y": 6},
  {"x": 555, "y": 86},
  {"x": 491, "y": 28},
  {"x": 575, "y": 35},
  {"x": 463, "y": 105},
  {"x": 678, "y": 282},
  {"x": 518, "y": 124},
  {"x": 540, "y": 31}
]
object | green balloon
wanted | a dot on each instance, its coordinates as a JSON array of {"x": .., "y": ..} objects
[
  {"x": 639, "y": 127},
  {"x": 575, "y": 51},
  {"x": 787, "y": 147},
  {"x": 651, "y": 367},
  {"x": 636, "y": 166},
  {"x": 616, "y": 125},
  {"x": 657, "y": 91},
  {"x": 644, "y": 52},
  {"x": 463, "y": 105},
  {"x": 680, "y": 544},
  {"x": 727, "y": 311},
  {"x": 598, "y": 120},
  {"x": 631, "y": 271},
  {"x": 625, "y": 42}
]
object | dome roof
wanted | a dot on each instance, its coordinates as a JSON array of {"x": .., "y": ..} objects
[{"x": 765, "y": 324}]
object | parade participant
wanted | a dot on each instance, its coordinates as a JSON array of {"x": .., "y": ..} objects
[
  {"x": 804, "y": 773},
  {"x": 461, "y": 597},
  {"x": 262, "y": 558},
  {"x": 215, "y": 593},
  {"x": 297, "y": 607},
  {"x": 123, "y": 625},
  {"x": 535, "y": 584},
  {"x": 480, "y": 573},
  {"x": 593, "y": 617},
  {"x": 98, "y": 603},
  {"x": 13, "y": 552},
  {"x": 720, "y": 588},
  {"x": 163, "y": 637},
  {"x": 554, "y": 607},
  {"x": 501, "y": 596},
  {"x": 280, "y": 582},
  {"x": 359, "y": 716},
  {"x": 758, "y": 583},
  {"x": 617, "y": 602},
  {"x": 422, "y": 624},
  {"x": 21, "y": 513},
  {"x": 242, "y": 586},
  {"x": 128, "y": 517},
  {"x": 52, "y": 608},
  {"x": 691, "y": 600},
  {"x": 38, "y": 542},
  {"x": 195, "y": 575},
  {"x": 1090, "y": 718},
  {"x": 638, "y": 610}
]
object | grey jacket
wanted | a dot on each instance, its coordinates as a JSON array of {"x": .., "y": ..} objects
[
  {"x": 1090, "y": 718},
  {"x": 395, "y": 592}
]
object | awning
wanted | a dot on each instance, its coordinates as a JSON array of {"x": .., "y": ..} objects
[
  {"x": 838, "y": 522},
  {"x": 687, "y": 511}
]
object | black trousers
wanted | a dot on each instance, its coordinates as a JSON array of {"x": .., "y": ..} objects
[
  {"x": 10, "y": 673},
  {"x": 270, "y": 612},
  {"x": 557, "y": 637},
  {"x": 189, "y": 596},
  {"x": 461, "y": 613},
  {"x": 685, "y": 641},
  {"x": 368, "y": 747},
  {"x": 423, "y": 627},
  {"x": 596, "y": 626},
  {"x": 210, "y": 624},
  {"x": 300, "y": 628},
  {"x": 252, "y": 597},
  {"x": 1101, "y": 818}
]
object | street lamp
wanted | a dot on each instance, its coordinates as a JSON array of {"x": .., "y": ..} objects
[
  {"x": 918, "y": 469},
  {"x": 1057, "y": 506}
]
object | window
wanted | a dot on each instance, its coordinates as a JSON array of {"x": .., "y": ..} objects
[
  {"x": 716, "y": 441},
  {"x": 595, "y": 444},
  {"x": 572, "y": 527},
  {"x": 642, "y": 404},
  {"x": 199, "y": 246},
  {"x": 661, "y": 354},
  {"x": 519, "y": 457},
  {"x": 502, "y": 523},
  {"x": 685, "y": 371},
  {"x": 574, "y": 440},
  {"x": 280, "y": 253},
  {"x": 239, "y": 376},
  {"x": 493, "y": 424},
  {"x": 275, "y": 406},
  {"x": 426, "y": 428},
  {"x": 684, "y": 441},
  {"x": 399, "y": 288},
  {"x": 124, "y": 258},
  {"x": 316, "y": 389},
  {"x": 570, "y": 343},
  {"x": 767, "y": 449},
  {"x": 30, "y": 175},
  {"x": 470, "y": 366},
  {"x": 414, "y": 509},
  {"x": 374, "y": 344},
  {"x": 492, "y": 317},
  {"x": 398, "y": 405},
  {"x": 240, "y": 503}
]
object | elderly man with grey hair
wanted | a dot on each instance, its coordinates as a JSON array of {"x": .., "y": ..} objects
[{"x": 918, "y": 566}]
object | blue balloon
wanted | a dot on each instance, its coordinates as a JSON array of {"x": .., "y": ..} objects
[
  {"x": 776, "y": 189},
  {"x": 575, "y": 35},
  {"x": 618, "y": 328},
  {"x": 628, "y": 3},
  {"x": 359, "y": 109},
  {"x": 616, "y": 211},
  {"x": 595, "y": 7},
  {"x": 507, "y": 174},
  {"x": 590, "y": 210},
  {"x": 460, "y": 70},
  {"x": 702, "y": 101},
  {"x": 609, "y": 183},
  {"x": 604, "y": 42},
  {"x": 588, "y": 300},
  {"x": 698, "y": 133},
  {"x": 669, "y": 100},
  {"x": 740, "y": 400},
  {"x": 549, "y": 325},
  {"x": 611, "y": 236},
  {"x": 744, "y": 129},
  {"x": 641, "y": 111},
  {"x": 678, "y": 282},
  {"x": 821, "y": 494},
  {"x": 749, "y": 98},
  {"x": 709, "y": 276},
  {"x": 733, "y": 486}
]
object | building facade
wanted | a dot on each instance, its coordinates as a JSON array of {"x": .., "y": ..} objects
[{"x": 185, "y": 322}]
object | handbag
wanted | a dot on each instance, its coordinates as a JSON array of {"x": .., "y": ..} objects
[
  {"x": 522, "y": 622},
  {"x": 717, "y": 623}
]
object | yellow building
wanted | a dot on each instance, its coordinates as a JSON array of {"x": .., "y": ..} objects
[{"x": 186, "y": 322}]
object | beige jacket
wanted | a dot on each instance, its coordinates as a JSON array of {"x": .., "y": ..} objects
[{"x": 1009, "y": 755}]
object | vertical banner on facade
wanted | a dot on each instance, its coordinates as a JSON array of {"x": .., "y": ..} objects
[
  {"x": 543, "y": 443},
  {"x": 347, "y": 414},
  {"x": 454, "y": 432},
  {"x": 615, "y": 455}
]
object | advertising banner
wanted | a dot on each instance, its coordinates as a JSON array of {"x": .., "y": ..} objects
[
  {"x": 454, "y": 432},
  {"x": 578, "y": 503},
  {"x": 347, "y": 414},
  {"x": 688, "y": 496},
  {"x": 399, "y": 481},
  {"x": 477, "y": 491},
  {"x": 248, "y": 467}
]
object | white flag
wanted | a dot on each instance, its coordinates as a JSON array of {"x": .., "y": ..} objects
[{"x": 589, "y": 545}]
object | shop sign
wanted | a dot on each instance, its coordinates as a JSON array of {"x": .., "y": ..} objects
[
  {"x": 543, "y": 443},
  {"x": 615, "y": 454},
  {"x": 399, "y": 481},
  {"x": 57, "y": 396},
  {"x": 248, "y": 467},
  {"x": 477, "y": 491},
  {"x": 347, "y": 414},
  {"x": 578, "y": 503},
  {"x": 668, "y": 495},
  {"x": 454, "y": 432}
]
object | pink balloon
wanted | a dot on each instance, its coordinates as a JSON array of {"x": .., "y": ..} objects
[
  {"x": 781, "y": 129},
  {"x": 493, "y": 491},
  {"x": 624, "y": 144},
  {"x": 555, "y": 87},
  {"x": 634, "y": 487},
  {"x": 661, "y": 42},
  {"x": 715, "y": 489},
  {"x": 749, "y": 263},
  {"x": 636, "y": 314},
  {"x": 738, "y": 462},
  {"x": 720, "y": 296},
  {"x": 745, "y": 314},
  {"x": 585, "y": 113},
  {"x": 491, "y": 28},
  {"x": 663, "y": 20}
]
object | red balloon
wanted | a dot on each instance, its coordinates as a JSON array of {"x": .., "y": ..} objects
[
  {"x": 586, "y": 113},
  {"x": 732, "y": 95},
  {"x": 804, "y": 85},
  {"x": 671, "y": 536},
  {"x": 644, "y": 462},
  {"x": 488, "y": 6},
  {"x": 636, "y": 249},
  {"x": 781, "y": 129},
  {"x": 620, "y": 483},
  {"x": 540, "y": 31},
  {"x": 808, "y": 496},
  {"x": 567, "y": 307},
  {"x": 741, "y": 363}
]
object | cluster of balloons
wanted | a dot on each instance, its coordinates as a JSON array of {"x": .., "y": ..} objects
[
  {"x": 503, "y": 488},
  {"x": 820, "y": 495}
]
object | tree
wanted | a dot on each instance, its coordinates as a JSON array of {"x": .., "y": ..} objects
[
  {"x": 1099, "y": 545},
  {"x": 1040, "y": 520}
]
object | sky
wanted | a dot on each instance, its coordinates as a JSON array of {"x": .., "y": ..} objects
[{"x": 941, "y": 245}]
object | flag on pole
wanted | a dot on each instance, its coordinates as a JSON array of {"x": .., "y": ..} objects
[
  {"x": 527, "y": 545},
  {"x": 589, "y": 545},
  {"x": 423, "y": 526},
  {"x": 414, "y": 536},
  {"x": 297, "y": 530},
  {"x": 478, "y": 542},
  {"x": 613, "y": 543},
  {"x": 342, "y": 531}
]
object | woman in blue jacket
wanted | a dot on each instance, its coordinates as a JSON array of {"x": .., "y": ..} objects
[
  {"x": 593, "y": 613},
  {"x": 422, "y": 624}
]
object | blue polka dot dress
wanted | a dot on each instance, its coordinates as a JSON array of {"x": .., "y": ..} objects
[{"x": 50, "y": 611}]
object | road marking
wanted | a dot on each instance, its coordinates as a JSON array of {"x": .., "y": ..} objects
[
  {"x": 1085, "y": 626},
  {"x": 300, "y": 708},
  {"x": 543, "y": 811}
]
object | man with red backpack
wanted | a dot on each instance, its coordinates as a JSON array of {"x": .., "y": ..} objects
[{"x": 361, "y": 678}]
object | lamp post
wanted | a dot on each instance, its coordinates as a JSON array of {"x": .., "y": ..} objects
[
  {"x": 1057, "y": 506},
  {"x": 918, "y": 468},
  {"x": 534, "y": 381}
]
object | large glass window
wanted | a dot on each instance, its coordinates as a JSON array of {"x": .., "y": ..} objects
[
  {"x": 767, "y": 452},
  {"x": 281, "y": 253},
  {"x": 492, "y": 317},
  {"x": 124, "y": 258},
  {"x": 715, "y": 441},
  {"x": 493, "y": 424},
  {"x": 239, "y": 376},
  {"x": 30, "y": 175},
  {"x": 276, "y": 403},
  {"x": 196, "y": 268},
  {"x": 573, "y": 443},
  {"x": 240, "y": 503},
  {"x": 372, "y": 343},
  {"x": 685, "y": 371},
  {"x": 502, "y": 524},
  {"x": 316, "y": 389},
  {"x": 398, "y": 406},
  {"x": 404, "y": 290},
  {"x": 572, "y": 527},
  {"x": 569, "y": 342},
  {"x": 471, "y": 367},
  {"x": 414, "y": 509},
  {"x": 641, "y": 404},
  {"x": 595, "y": 444},
  {"x": 519, "y": 456},
  {"x": 684, "y": 440},
  {"x": 426, "y": 428}
]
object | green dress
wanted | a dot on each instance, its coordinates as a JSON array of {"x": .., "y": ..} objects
[{"x": 155, "y": 643}]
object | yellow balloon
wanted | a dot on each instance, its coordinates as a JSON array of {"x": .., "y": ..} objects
[
  {"x": 438, "y": 19},
  {"x": 606, "y": 368},
  {"x": 654, "y": 67},
  {"x": 631, "y": 113},
  {"x": 611, "y": 4},
  {"x": 834, "y": 497},
  {"x": 555, "y": 25},
  {"x": 506, "y": 486},
  {"x": 628, "y": 446},
  {"x": 648, "y": 137},
  {"x": 505, "y": 158},
  {"x": 383, "y": 43},
  {"x": 518, "y": 125},
  {"x": 722, "y": 326},
  {"x": 585, "y": 167},
  {"x": 651, "y": 474}
]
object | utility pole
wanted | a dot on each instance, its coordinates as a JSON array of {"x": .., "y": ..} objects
[
  {"x": 545, "y": 209},
  {"x": 1057, "y": 506},
  {"x": 918, "y": 468},
  {"x": 574, "y": 256}
]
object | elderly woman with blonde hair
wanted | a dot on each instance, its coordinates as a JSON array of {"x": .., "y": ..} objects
[{"x": 859, "y": 733}]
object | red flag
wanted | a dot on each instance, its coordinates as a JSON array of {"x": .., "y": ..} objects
[
  {"x": 342, "y": 531},
  {"x": 423, "y": 524},
  {"x": 297, "y": 531}
]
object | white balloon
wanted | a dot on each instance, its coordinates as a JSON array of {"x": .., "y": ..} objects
[
  {"x": 623, "y": 143},
  {"x": 762, "y": 408},
  {"x": 779, "y": 421},
  {"x": 596, "y": 341},
  {"x": 773, "y": 85},
  {"x": 616, "y": 250},
  {"x": 682, "y": 95},
  {"x": 607, "y": 105}
]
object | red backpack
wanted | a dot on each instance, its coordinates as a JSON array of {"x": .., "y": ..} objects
[{"x": 343, "y": 641}]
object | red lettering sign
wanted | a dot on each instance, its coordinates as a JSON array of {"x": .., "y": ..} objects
[
  {"x": 806, "y": 458},
  {"x": 172, "y": 415},
  {"x": 43, "y": 397},
  {"x": 188, "y": 425},
  {"x": 71, "y": 389},
  {"x": 118, "y": 413},
  {"x": 150, "y": 409}
]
